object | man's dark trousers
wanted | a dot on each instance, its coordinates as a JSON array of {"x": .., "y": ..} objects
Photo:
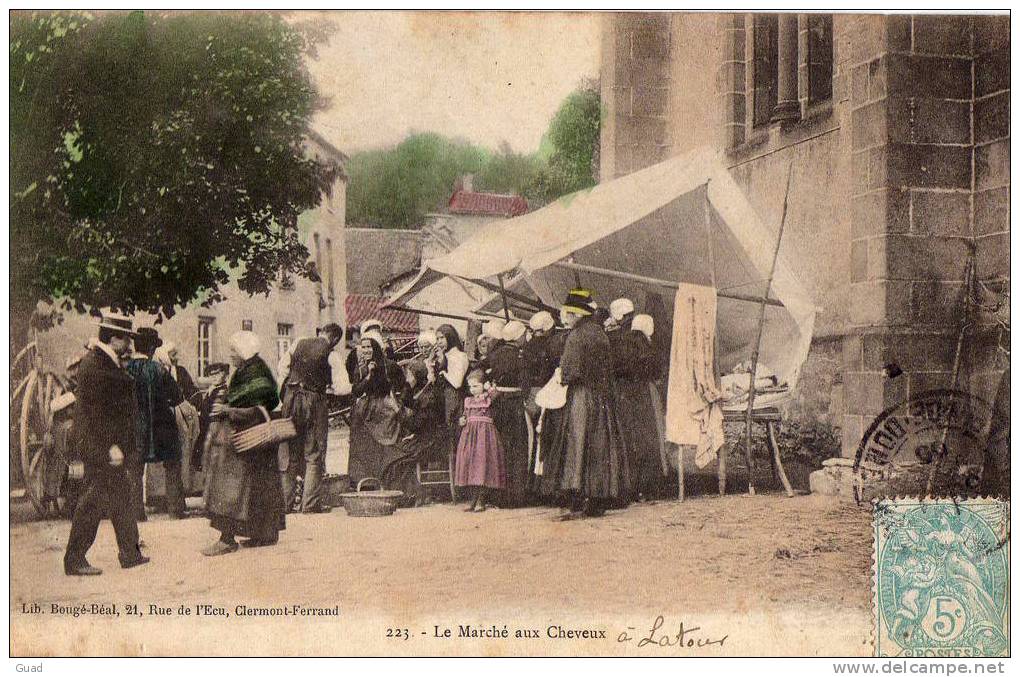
[
  {"x": 108, "y": 493},
  {"x": 307, "y": 451}
]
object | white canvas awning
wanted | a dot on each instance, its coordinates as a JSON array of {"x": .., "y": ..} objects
[{"x": 682, "y": 220}]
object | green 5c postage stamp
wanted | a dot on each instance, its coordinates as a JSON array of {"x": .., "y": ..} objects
[{"x": 941, "y": 577}]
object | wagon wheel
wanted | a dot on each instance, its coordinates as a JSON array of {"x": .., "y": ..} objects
[
  {"x": 43, "y": 469},
  {"x": 22, "y": 372}
]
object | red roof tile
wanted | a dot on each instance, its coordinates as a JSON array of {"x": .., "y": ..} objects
[
  {"x": 487, "y": 204},
  {"x": 361, "y": 307}
]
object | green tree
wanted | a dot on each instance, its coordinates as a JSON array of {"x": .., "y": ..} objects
[
  {"x": 156, "y": 155},
  {"x": 397, "y": 187},
  {"x": 510, "y": 172},
  {"x": 573, "y": 144}
]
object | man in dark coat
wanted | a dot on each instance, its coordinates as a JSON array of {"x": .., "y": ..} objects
[
  {"x": 587, "y": 460},
  {"x": 307, "y": 375},
  {"x": 156, "y": 395},
  {"x": 506, "y": 372},
  {"x": 104, "y": 427}
]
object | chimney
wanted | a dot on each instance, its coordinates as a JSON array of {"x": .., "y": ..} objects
[{"x": 467, "y": 183}]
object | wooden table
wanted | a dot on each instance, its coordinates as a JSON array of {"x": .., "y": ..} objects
[{"x": 771, "y": 417}]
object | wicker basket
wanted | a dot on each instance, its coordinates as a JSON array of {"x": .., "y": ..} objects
[
  {"x": 375, "y": 503},
  {"x": 272, "y": 432}
]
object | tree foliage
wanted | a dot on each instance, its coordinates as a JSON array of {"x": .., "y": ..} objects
[
  {"x": 574, "y": 137},
  {"x": 396, "y": 187},
  {"x": 155, "y": 156}
]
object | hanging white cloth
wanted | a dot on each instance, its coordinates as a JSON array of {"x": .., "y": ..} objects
[{"x": 694, "y": 400}]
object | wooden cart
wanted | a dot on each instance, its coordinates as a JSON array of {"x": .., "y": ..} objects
[{"x": 38, "y": 446}]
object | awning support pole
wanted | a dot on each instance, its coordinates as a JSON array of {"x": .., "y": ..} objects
[
  {"x": 707, "y": 209},
  {"x": 510, "y": 294},
  {"x": 757, "y": 350},
  {"x": 502, "y": 293},
  {"x": 661, "y": 283}
]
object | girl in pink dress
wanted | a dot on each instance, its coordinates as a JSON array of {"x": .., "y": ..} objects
[{"x": 480, "y": 458}]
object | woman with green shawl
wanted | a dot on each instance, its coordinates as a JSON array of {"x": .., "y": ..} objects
[{"x": 243, "y": 495}]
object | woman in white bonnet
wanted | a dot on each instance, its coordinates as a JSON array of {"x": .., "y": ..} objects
[
  {"x": 243, "y": 495},
  {"x": 538, "y": 364},
  {"x": 637, "y": 368},
  {"x": 644, "y": 324}
]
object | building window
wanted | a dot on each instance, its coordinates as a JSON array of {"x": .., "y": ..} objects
[
  {"x": 204, "y": 348},
  {"x": 329, "y": 271},
  {"x": 819, "y": 57},
  {"x": 318, "y": 256},
  {"x": 766, "y": 66},
  {"x": 284, "y": 337},
  {"x": 246, "y": 325}
]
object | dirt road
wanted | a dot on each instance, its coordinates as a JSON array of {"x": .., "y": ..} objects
[{"x": 769, "y": 574}]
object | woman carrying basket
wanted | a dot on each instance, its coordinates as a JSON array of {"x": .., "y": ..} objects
[{"x": 243, "y": 496}]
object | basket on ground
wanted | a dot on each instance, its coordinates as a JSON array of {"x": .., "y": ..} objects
[{"x": 374, "y": 503}]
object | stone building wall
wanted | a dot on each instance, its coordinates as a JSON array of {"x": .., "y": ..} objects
[
  {"x": 931, "y": 177},
  {"x": 894, "y": 178}
]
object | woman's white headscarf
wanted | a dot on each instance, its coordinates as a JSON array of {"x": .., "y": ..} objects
[
  {"x": 542, "y": 321},
  {"x": 427, "y": 338},
  {"x": 246, "y": 344},
  {"x": 620, "y": 308},
  {"x": 644, "y": 324},
  {"x": 493, "y": 328},
  {"x": 513, "y": 330}
]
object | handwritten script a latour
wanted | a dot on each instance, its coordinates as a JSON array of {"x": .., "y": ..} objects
[{"x": 683, "y": 637}]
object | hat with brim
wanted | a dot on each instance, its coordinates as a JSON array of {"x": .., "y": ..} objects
[
  {"x": 579, "y": 302},
  {"x": 118, "y": 324},
  {"x": 148, "y": 336}
]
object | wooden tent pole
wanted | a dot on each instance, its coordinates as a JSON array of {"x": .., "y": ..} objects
[
  {"x": 514, "y": 296},
  {"x": 502, "y": 293},
  {"x": 761, "y": 328},
  {"x": 715, "y": 347},
  {"x": 661, "y": 283}
]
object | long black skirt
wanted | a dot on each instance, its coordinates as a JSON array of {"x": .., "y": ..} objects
[
  {"x": 512, "y": 426},
  {"x": 644, "y": 441},
  {"x": 368, "y": 456},
  {"x": 588, "y": 453},
  {"x": 243, "y": 494}
]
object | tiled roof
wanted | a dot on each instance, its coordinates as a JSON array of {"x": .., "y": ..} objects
[
  {"x": 361, "y": 307},
  {"x": 487, "y": 204}
]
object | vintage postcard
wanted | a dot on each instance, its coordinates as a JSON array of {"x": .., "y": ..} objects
[{"x": 509, "y": 333}]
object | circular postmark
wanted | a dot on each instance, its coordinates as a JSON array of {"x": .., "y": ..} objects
[
  {"x": 942, "y": 581},
  {"x": 933, "y": 443}
]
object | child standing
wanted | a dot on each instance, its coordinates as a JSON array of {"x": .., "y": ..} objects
[{"x": 480, "y": 459}]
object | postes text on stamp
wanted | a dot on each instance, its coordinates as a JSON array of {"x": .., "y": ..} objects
[{"x": 941, "y": 584}]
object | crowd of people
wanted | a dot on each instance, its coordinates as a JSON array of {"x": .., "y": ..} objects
[
  {"x": 560, "y": 411},
  {"x": 513, "y": 440}
]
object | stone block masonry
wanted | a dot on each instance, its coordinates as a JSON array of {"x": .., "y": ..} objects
[{"x": 930, "y": 143}]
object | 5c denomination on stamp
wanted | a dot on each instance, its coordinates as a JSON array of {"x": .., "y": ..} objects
[{"x": 941, "y": 577}]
